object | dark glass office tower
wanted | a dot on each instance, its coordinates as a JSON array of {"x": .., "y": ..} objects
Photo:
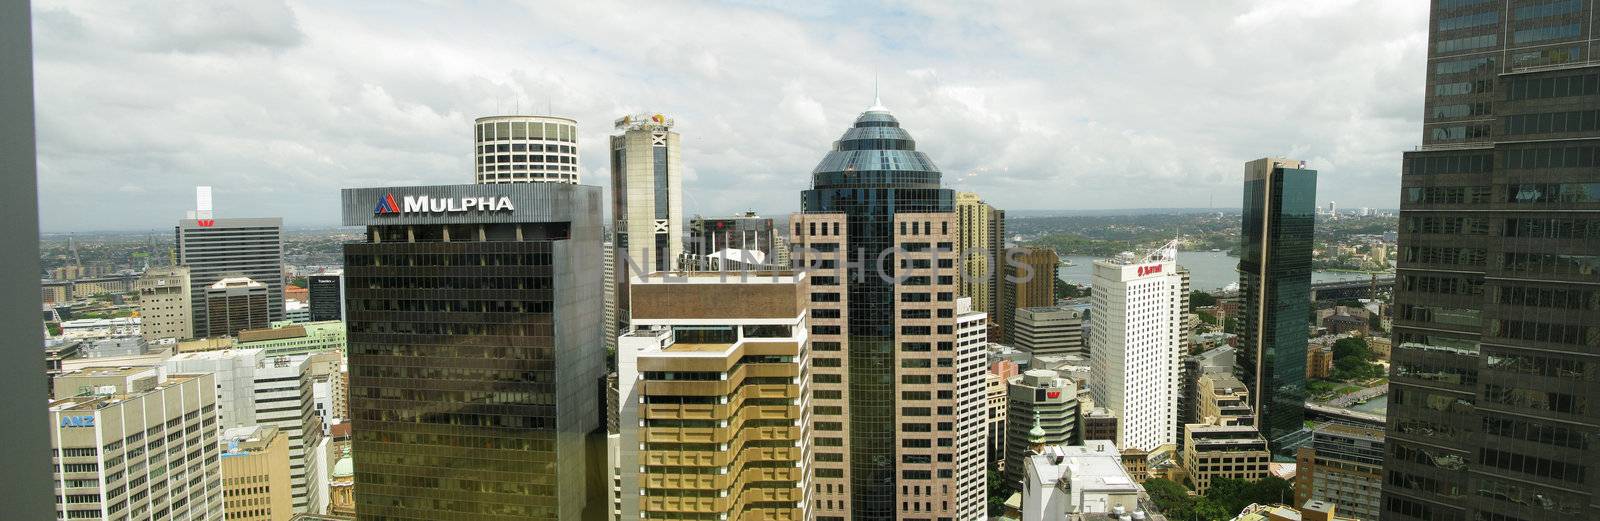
[
  {"x": 327, "y": 296},
  {"x": 475, "y": 353},
  {"x": 1275, "y": 296},
  {"x": 1494, "y": 404},
  {"x": 873, "y": 173}
]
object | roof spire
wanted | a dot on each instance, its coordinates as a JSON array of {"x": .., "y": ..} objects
[{"x": 877, "y": 102}]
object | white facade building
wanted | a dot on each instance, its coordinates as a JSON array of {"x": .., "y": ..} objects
[
  {"x": 972, "y": 410},
  {"x": 1136, "y": 343},
  {"x": 525, "y": 149}
]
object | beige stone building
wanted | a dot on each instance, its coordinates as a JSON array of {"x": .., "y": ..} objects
[
  {"x": 164, "y": 304},
  {"x": 979, "y": 242},
  {"x": 712, "y": 381},
  {"x": 255, "y": 474},
  {"x": 1226, "y": 444}
]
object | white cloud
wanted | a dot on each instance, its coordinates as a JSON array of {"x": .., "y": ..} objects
[{"x": 1034, "y": 105}]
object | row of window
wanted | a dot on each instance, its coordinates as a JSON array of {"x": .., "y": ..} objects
[
  {"x": 1553, "y": 193},
  {"x": 1558, "y": 298},
  {"x": 522, "y": 158},
  {"x": 1557, "y": 87},
  {"x": 1556, "y": 8},
  {"x": 1587, "y": 266},
  {"x": 1467, "y": 43},
  {"x": 1448, "y": 225},
  {"x": 1458, "y": 132},
  {"x": 1469, "y": 20},
  {"x": 1554, "y": 32},
  {"x": 1535, "y": 399},
  {"x": 1552, "y": 157},
  {"x": 1535, "y": 431},
  {"x": 1546, "y": 332},
  {"x": 1461, "y": 110},
  {"x": 1445, "y": 255},
  {"x": 1448, "y": 164},
  {"x": 1463, "y": 87},
  {"x": 507, "y": 130},
  {"x": 1551, "y": 228},
  {"x": 1458, "y": 66},
  {"x": 1553, "y": 122},
  {"x": 1537, "y": 365},
  {"x": 1447, "y": 195}
]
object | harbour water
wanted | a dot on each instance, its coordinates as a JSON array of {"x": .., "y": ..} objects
[{"x": 1208, "y": 270}]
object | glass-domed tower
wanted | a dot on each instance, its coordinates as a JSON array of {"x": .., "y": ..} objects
[{"x": 873, "y": 173}]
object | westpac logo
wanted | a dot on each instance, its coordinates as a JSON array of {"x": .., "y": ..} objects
[
  {"x": 387, "y": 205},
  {"x": 1149, "y": 270}
]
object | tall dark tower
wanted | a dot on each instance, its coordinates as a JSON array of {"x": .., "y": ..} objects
[
  {"x": 874, "y": 174},
  {"x": 1275, "y": 284},
  {"x": 1494, "y": 407}
]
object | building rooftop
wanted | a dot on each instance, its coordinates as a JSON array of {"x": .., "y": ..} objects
[
  {"x": 246, "y": 440},
  {"x": 1094, "y": 466},
  {"x": 96, "y": 402}
]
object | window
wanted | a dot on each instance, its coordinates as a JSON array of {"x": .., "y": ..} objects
[
  {"x": 1553, "y": 122},
  {"x": 1553, "y": 193},
  {"x": 1539, "y": 34},
  {"x": 1556, "y": 8},
  {"x": 1463, "y": 65},
  {"x": 1468, "y": 42},
  {"x": 1469, "y": 20},
  {"x": 1552, "y": 157}
]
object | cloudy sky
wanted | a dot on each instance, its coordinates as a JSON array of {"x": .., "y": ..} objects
[{"x": 1072, "y": 105}]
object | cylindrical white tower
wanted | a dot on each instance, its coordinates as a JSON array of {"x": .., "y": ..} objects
[{"x": 526, "y": 149}]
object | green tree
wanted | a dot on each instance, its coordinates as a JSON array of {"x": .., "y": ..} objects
[
  {"x": 997, "y": 490},
  {"x": 1200, "y": 299}
]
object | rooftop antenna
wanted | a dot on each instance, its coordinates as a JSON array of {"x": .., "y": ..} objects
[{"x": 877, "y": 102}]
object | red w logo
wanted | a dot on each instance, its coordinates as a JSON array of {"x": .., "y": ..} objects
[
  {"x": 206, "y": 223},
  {"x": 386, "y": 205}
]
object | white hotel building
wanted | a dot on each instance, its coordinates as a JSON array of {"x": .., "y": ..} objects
[{"x": 1136, "y": 344}]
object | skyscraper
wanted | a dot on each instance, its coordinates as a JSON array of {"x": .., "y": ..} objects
[
  {"x": 327, "y": 296},
  {"x": 215, "y": 249},
  {"x": 1030, "y": 282},
  {"x": 646, "y": 202},
  {"x": 975, "y": 247},
  {"x": 525, "y": 149},
  {"x": 164, "y": 310},
  {"x": 888, "y": 345},
  {"x": 1135, "y": 345},
  {"x": 1043, "y": 399},
  {"x": 475, "y": 359},
  {"x": 1497, "y": 297},
  {"x": 1275, "y": 295}
]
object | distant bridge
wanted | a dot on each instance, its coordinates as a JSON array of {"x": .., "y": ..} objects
[
  {"x": 1352, "y": 289},
  {"x": 1323, "y": 411}
]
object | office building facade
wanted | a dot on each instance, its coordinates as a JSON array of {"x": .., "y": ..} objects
[
  {"x": 1342, "y": 465},
  {"x": 215, "y": 249},
  {"x": 255, "y": 474},
  {"x": 713, "y": 399},
  {"x": 525, "y": 149},
  {"x": 978, "y": 250},
  {"x": 646, "y": 202},
  {"x": 1038, "y": 399},
  {"x": 235, "y": 304},
  {"x": 971, "y": 410},
  {"x": 497, "y": 411},
  {"x": 1136, "y": 344},
  {"x": 326, "y": 292},
  {"x": 1030, "y": 283},
  {"x": 129, "y": 444},
  {"x": 1275, "y": 292},
  {"x": 164, "y": 310},
  {"x": 1496, "y": 311},
  {"x": 875, "y": 192},
  {"x": 744, "y": 236},
  {"x": 1049, "y": 331}
]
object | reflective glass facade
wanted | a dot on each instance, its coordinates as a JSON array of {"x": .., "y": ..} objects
[
  {"x": 1274, "y": 284},
  {"x": 475, "y": 356},
  {"x": 1496, "y": 318},
  {"x": 873, "y": 173}
]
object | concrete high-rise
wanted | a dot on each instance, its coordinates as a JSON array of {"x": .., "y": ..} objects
[
  {"x": 646, "y": 202},
  {"x": 1049, "y": 330},
  {"x": 884, "y": 365},
  {"x": 131, "y": 444},
  {"x": 235, "y": 304},
  {"x": 326, "y": 291},
  {"x": 1030, "y": 283},
  {"x": 164, "y": 310},
  {"x": 713, "y": 399},
  {"x": 474, "y": 351},
  {"x": 972, "y": 410},
  {"x": 980, "y": 252},
  {"x": 1135, "y": 344},
  {"x": 1038, "y": 399},
  {"x": 215, "y": 249},
  {"x": 1275, "y": 295},
  {"x": 1497, "y": 297},
  {"x": 525, "y": 149}
]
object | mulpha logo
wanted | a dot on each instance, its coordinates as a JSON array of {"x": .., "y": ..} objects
[{"x": 386, "y": 205}]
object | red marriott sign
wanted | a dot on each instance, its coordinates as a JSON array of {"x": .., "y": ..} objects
[{"x": 1149, "y": 270}]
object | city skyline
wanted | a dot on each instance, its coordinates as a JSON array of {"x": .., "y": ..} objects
[{"x": 321, "y": 114}]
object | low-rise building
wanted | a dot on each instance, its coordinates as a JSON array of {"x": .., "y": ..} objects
[
  {"x": 289, "y": 338},
  {"x": 1049, "y": 330},
  {"x": 1078, "y": 482},
  {"x": 1223, "y": 451},
  {"x": 1319, "y": 362},
  {"x": 1099, "y": 423}
]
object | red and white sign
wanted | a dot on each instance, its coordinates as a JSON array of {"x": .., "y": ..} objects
[
  {"x": 1149, "y": 270},
  {"x": 1052, "y": 394}
]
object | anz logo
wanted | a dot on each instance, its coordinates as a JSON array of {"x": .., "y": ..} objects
[{"x": 77, "y": 421}]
